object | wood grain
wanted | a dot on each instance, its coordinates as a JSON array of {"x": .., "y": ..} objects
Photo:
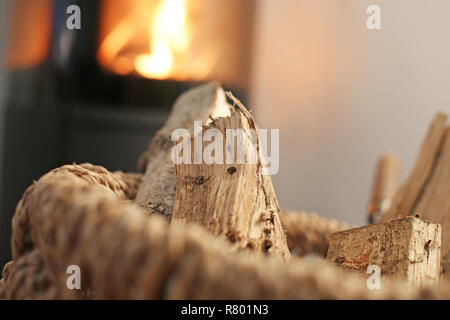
[
  {"x": 426, "y": 192},
  {"x": 406, "y": 248},
  {"x": 232, "y": 200},
  {"x": 157, "y": 191},
  {"x": 408, "y": 194}
]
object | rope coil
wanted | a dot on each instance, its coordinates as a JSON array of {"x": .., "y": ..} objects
[{"x": 80, "y": 215}]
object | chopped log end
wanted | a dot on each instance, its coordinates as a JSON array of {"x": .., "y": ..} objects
[{"x": 407, "y": 248}]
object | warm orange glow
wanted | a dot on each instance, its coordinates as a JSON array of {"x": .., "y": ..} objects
[
  {"x": 166, "y": 28},
  {"x": 30, "y": 30},
  {"x": 168, "y": 34},
  {"x": 176, "y": 39}
]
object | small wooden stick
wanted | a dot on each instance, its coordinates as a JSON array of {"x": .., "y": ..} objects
[{"x": 385, "y": 186}]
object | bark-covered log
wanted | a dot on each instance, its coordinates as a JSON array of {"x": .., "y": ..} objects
[{"x": 157, "y": 192}]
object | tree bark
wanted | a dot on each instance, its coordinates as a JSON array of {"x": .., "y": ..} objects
[{"x": 157, "y": 191}]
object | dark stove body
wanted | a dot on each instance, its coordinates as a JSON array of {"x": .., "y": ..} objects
[
  {"x": 68, "y": 110},
  {"x": 37, "y": 140}
]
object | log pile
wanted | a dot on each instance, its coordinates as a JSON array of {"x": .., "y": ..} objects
[{"x": 185, "y": 231}]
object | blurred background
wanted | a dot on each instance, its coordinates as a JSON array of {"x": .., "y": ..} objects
[{"x": 341, "y": 95}]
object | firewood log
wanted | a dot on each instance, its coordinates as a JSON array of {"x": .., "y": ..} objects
[
  {"x": 426, "y": 192},
  {"x": 234, "y": 200},
  {"x": 246, "y": 217},
  {"x": 157, "y": 192},
  {"x": 407, "y": 248}
]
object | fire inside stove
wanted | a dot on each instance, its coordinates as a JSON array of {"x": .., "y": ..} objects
[{"x": 174, "y": 39}]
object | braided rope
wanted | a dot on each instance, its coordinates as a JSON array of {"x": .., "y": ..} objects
[
  {"x": 125, "y": 255},
  {"x": 75, "y": 219},
  {"x": 309, "y": 233},
  {"x": 26, "y": 277}
]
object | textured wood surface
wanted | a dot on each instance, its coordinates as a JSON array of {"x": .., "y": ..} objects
[
  {"x": 384, "y": 187},
  {"x": 408, "y": 194},
  {"x": 427, "y": 190},
  {"x": 406, "y": 248},
  {"x": 157, "y": 191},
  {"x": 232, "y": 200}
]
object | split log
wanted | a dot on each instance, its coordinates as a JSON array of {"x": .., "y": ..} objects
[
  {"x": 407, "y": 248},
  {"x": 427, "y": 189},
  {"x": 407, "y": 197},
  {"x": 124, "y": 255},
  {"x": 234, "y": 200},
  {"x": 157, "y": 192}
]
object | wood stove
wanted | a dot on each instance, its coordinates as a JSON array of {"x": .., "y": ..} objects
[{"x": 99, "y": 93}]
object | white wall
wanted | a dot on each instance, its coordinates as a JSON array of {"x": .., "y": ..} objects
[{"x": 342, "y": 95}]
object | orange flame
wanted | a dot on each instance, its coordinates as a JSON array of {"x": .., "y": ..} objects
[
  {"x": 168, "y": 37},
  {"x": 177, "y": 39},
  {"x": 167, "y": 34}
]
